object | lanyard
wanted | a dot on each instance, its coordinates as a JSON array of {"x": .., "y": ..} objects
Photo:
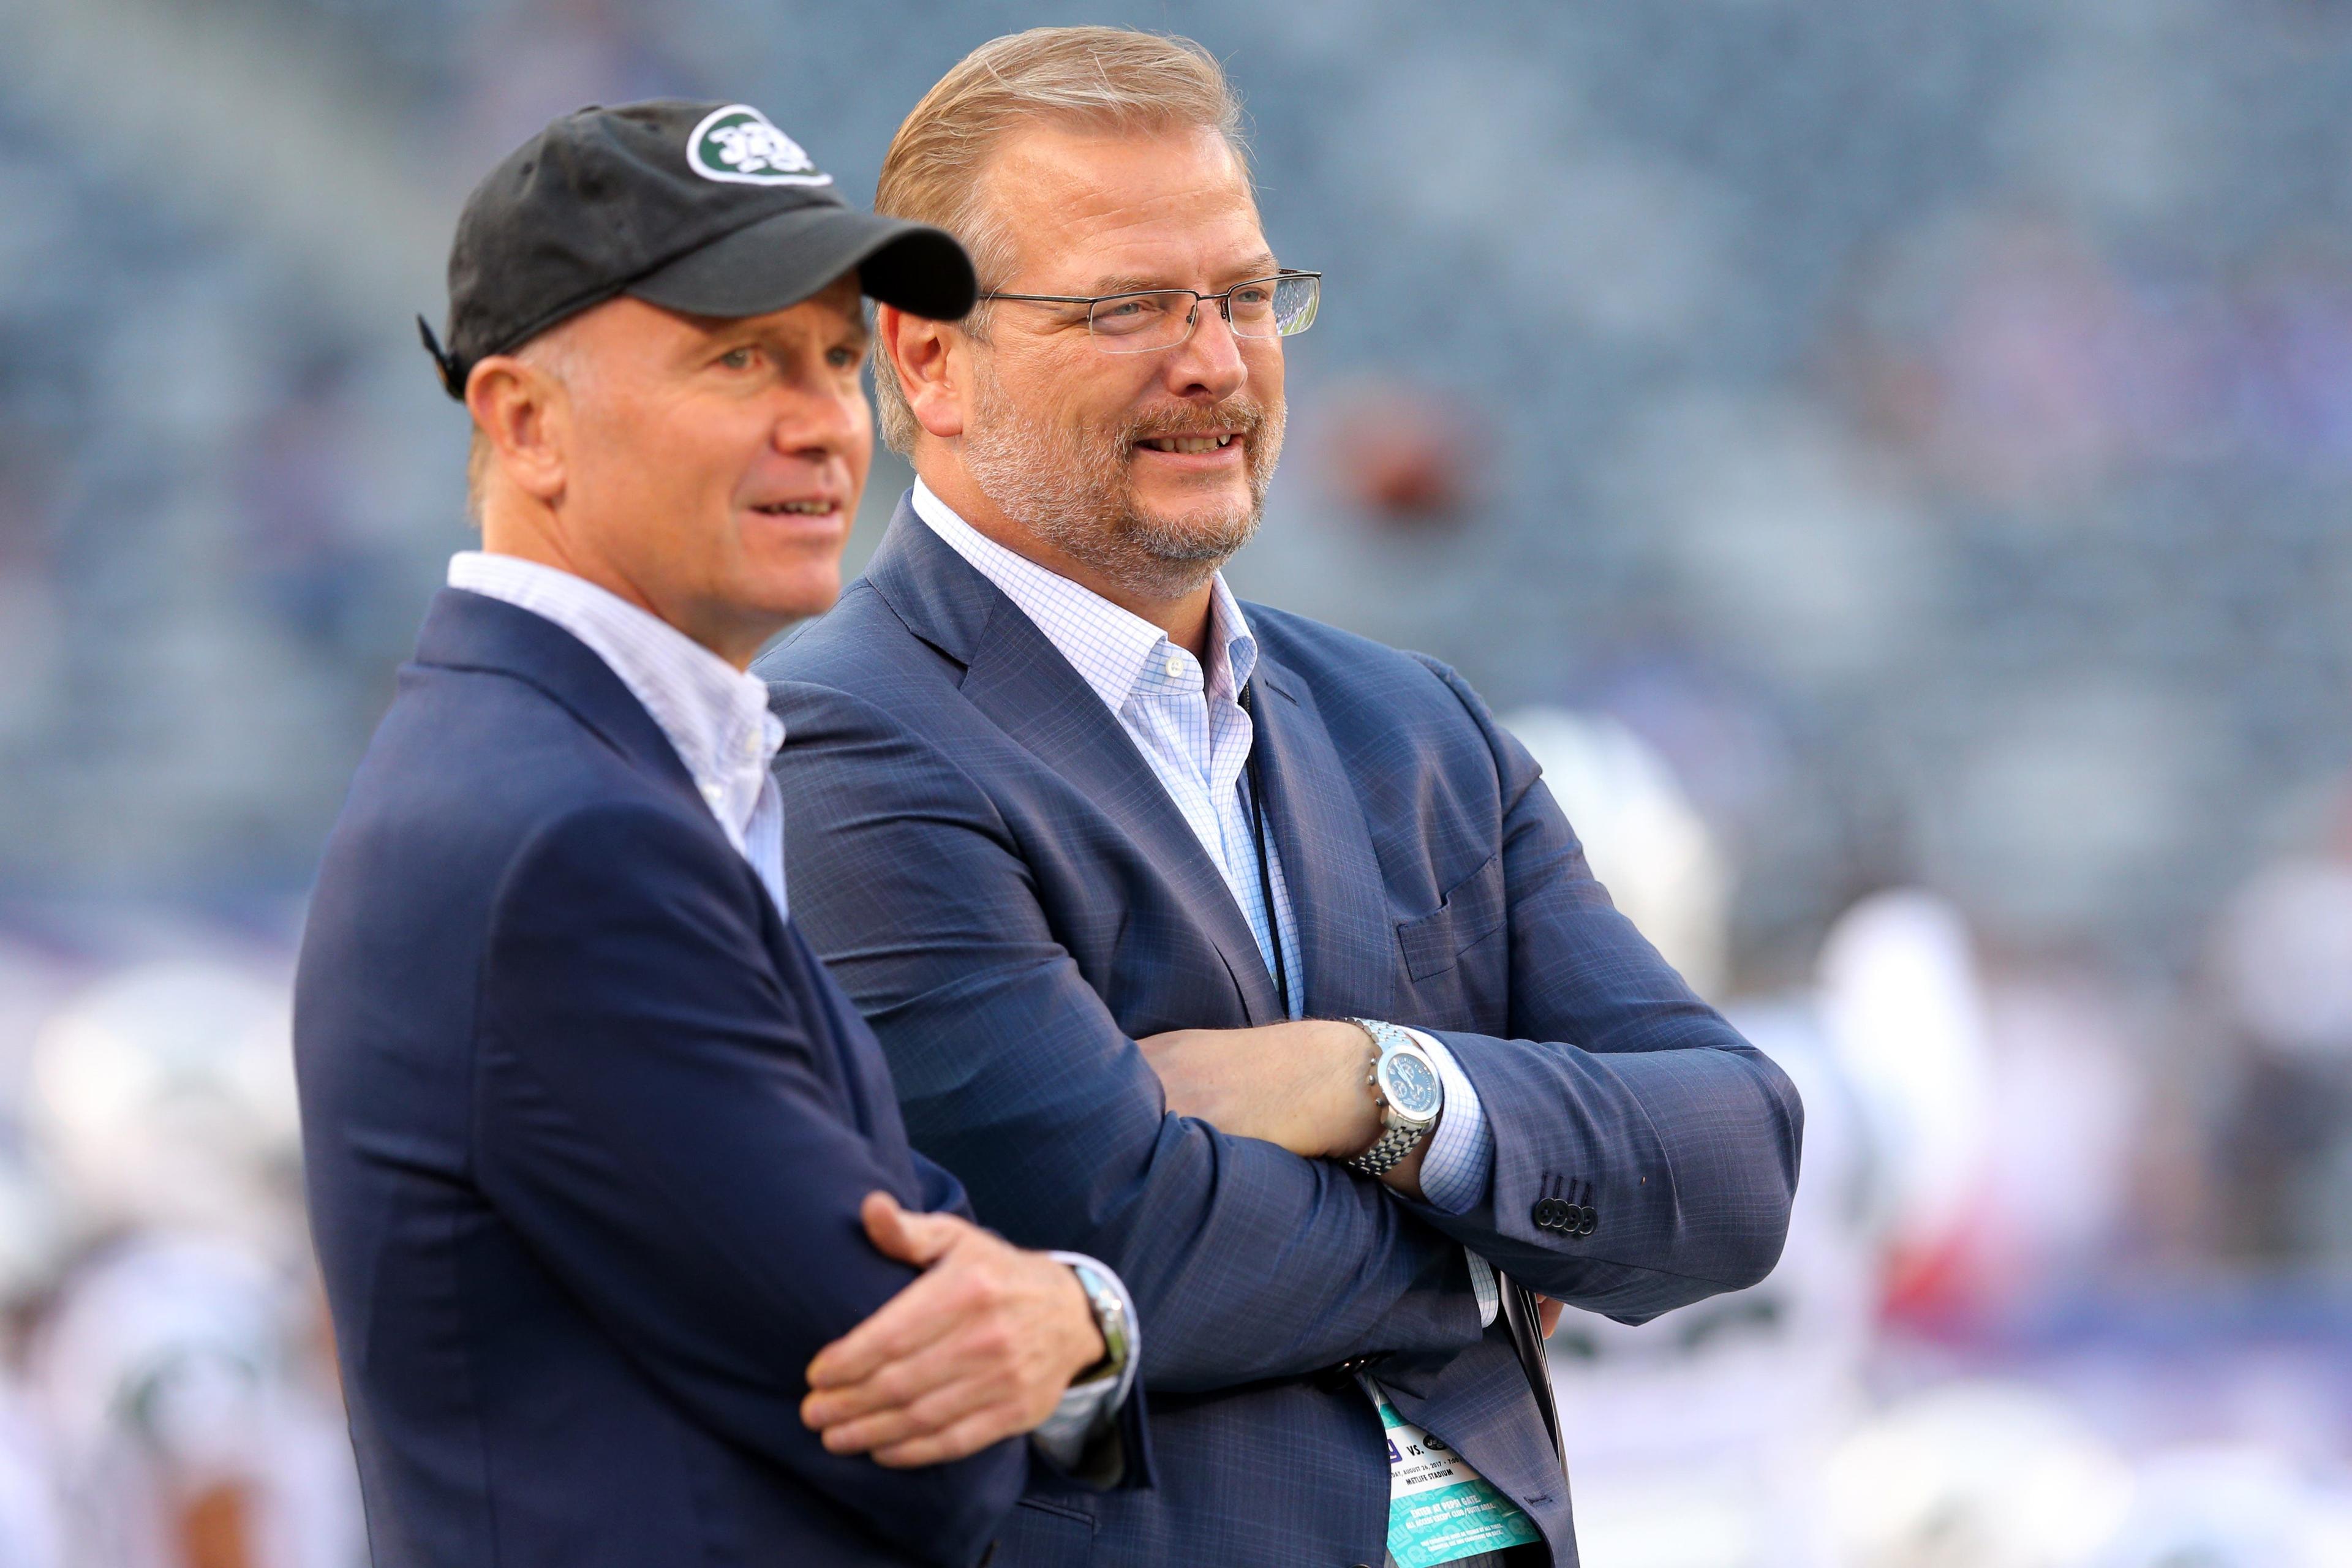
[{"x": 1265, "y": 863}]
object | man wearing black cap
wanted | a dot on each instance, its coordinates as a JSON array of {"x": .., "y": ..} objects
[{"x": 629, "y": 1258}]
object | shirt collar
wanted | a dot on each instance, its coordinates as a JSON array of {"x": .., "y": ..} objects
[
  {"x": 715, "y": 716},
  {"x": 1233, "y": 648},
  {"x": 1110, "y": 647}
]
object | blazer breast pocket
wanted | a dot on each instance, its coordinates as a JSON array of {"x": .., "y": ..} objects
[{"x": 1471, "y": 912}]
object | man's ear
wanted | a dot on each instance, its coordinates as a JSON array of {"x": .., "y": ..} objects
[
  {"x": 929, "y": 357},
  {"x": 521, "y": 411}
]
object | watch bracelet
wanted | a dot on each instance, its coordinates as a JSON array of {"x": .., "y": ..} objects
[
  {"x": 1389, "y": 1148},
  {"x": 1394, "y": 1142}
]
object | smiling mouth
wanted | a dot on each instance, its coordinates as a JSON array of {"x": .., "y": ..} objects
[
  {"x": 1188, "y": 443},
  {"x": 798, "y": 508}
]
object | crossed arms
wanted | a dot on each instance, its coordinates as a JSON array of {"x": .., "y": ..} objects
[
  {"x": 652, "y": 1114},
  {"x": 1255, "y": 1258}
]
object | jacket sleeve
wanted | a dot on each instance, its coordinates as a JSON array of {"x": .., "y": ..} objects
[
  {"x": 1246, "y": 1262},
  {"x": 651, "y": 1115},
  {"x": 941, "y": 1193},
  {"x": 1662, "y": 1146}
]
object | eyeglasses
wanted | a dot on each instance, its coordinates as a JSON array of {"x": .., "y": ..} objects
[{"x": 1281, "y": 305}]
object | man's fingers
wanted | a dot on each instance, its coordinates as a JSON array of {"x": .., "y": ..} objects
[
  {"x": 886, "y": 1223},
  {"x": 977, "y": 1349},
  {"x": 981, "y": 1362},
  {"x": 907, "y": 1322},
  {"x": 914, "y": 1238},
  {"x": 1547, "y": 1313},
  {"x": 902, "y": 1326},
  {"x": 895, "y": 1384},
  {"x": 947, "y": 1396},
  {"x": 967, "y": 1436}
]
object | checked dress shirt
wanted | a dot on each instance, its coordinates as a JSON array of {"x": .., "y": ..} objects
[{"x": 1194, "y": 733}]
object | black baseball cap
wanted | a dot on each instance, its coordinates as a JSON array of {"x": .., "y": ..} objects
[{"x": 706, "y": 208}]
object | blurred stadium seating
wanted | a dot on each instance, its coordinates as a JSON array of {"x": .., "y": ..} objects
[{"x": 1925, "y": 431}]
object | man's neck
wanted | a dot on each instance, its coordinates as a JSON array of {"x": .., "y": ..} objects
[
  {"x": 1185, "y": 619},
  {"x": 538, "y": 538}
]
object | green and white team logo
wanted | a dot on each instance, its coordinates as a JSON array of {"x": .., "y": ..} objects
[{"x": 738, "y": 145}]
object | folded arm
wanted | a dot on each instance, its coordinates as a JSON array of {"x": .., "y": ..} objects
[
  {"x": 1012, "y": 1072},
  {"x": 1626, "y": 1096},
  {"x": 652, "y": 1116},
  {"x": 1627, "y": 1101},
  {"x": 982, "y": 1345}
]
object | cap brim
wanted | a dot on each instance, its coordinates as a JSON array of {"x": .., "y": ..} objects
[{"x": 783, "y": 259}]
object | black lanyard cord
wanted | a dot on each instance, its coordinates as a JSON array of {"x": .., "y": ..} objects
[{"x": 1265, "y": 862}]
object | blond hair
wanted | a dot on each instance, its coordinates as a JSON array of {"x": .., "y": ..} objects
[{"x": 1114, "y": 79}]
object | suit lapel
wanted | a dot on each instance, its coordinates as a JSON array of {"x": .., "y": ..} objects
[
  {"x": 1015, "y": 676},
  {"x": 1337, "y": 891},
  {"x": 1022, "y": 683},
  {"x": 465, "y": 630}
]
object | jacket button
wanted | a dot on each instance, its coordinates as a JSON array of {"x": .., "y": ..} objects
[
  {"x": 1545, "y": 1214},
  {"x": 1586, "y": 1220}
]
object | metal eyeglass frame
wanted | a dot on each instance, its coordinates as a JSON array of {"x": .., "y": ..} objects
[{"x": 1224, "y": 300}]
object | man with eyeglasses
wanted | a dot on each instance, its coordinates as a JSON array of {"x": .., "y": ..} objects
[{"x": 1243, "y": 954}]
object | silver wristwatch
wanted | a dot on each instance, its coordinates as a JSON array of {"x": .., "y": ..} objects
[{"x": 1405, "y": 1084}]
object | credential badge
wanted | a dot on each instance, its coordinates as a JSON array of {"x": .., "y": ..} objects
[{"x": 738, "y": 145}]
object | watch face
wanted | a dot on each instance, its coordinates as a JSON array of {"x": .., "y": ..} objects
[{"x": 1411, "y": 1087}]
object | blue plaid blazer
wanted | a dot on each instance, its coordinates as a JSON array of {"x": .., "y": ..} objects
[{"x": 989, "y": 868}]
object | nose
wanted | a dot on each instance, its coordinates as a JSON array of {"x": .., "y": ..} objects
[
  {"x": 1209, "y": 362},
  {"x": 816, "y": 424}
]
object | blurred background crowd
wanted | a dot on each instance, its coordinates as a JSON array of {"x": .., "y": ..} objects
[{"x": 1892, "y": 464}]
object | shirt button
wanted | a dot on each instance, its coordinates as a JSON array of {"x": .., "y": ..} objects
[
  {"x": 711, "y": 793},
  {"x": 1175, "y": 665}
]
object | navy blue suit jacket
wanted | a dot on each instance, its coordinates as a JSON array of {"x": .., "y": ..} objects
[
  {"x": 587, "y": 1128},
  {"x": 990, "y": 867}
]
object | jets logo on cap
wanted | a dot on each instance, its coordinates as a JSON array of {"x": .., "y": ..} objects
[{"x": 738, "y": 145}]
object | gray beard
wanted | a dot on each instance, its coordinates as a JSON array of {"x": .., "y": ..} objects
[{"x": 1071, "y": 489}]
